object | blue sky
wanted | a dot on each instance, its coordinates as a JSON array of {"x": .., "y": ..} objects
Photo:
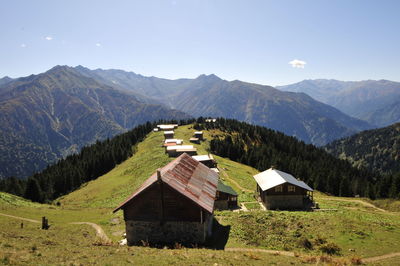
[{"x": 248, "y": 40}]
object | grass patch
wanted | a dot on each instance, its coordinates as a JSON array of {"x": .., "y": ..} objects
[
  {"x": 345, "y": 232},
  {"x": 387, "y": 204},
  {"x": 66, "y": 244},
  {"x": 252, "y": 205}
]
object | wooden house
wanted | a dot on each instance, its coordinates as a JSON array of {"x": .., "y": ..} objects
[
  {"x": 280, "y": 190},
  {"x": 176, "y": 150},
  {"x": 199, "y": 135},
  {"x": 194, "y": 140},
  {"x": 167, "y": 127},
  {"x": 226, "y": 197},
  {"x": 207, "y": 160},
  {"x": 169, "y": 134},
  {"x": 174, "y": 205},
  {"x": 172, "y": 142},
  {"x": 155, "y": 129}
]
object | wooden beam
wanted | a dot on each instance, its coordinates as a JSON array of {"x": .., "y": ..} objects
[{"x": 160, "y": 182}]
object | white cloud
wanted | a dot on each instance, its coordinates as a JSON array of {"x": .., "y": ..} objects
[
  {"x": 49, "y": 38},
  {"x": 23, "y": 45},
  {"x": 98, "y": 44},
  {"x": 297, "y": 63}
]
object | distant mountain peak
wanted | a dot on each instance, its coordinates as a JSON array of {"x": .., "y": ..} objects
[
  {"x": 5, "y": 80},
  {"x": 60, "y": 67},
  {"x": 80, "y": 67},
  {"x": 209, "y": 77}
]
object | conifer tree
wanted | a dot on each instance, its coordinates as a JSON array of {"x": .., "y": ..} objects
[{"x": 33, "y": 191}]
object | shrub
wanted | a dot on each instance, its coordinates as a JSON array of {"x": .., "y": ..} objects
[
  {"x": 319, "y": 240},
  {"x": 330, "y": 248},
  {"x": 5, "y": 260},
  {"x": 305, "y": 243}
]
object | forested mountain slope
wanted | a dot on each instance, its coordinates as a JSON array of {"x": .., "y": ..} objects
[
  {"x": 377, "y": 149},
  {"x": 48, "y": 116},
  {"x": 262, "y": 148}
]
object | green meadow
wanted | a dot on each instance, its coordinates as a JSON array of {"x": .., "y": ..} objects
[{"x": 342, "y": 232}]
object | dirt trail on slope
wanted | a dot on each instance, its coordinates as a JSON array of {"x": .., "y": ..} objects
[
  {"x": 367, "y": 204},
  {"x": 269, "y": 251},
  {"x": 102, "y": 235},
  {"x": 99, "y": 231},
  {"x": 233, "y": 181},
  {"x": 20, "y": 218},
  {"x": 382, "y": 257}
]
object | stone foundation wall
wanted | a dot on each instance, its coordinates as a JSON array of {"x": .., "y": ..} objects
[
  {"x": 168, "y": 232},
  {"x": 284, "y": 202}
]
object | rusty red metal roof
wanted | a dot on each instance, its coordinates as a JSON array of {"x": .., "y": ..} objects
[{"x": 187, "y": 176}]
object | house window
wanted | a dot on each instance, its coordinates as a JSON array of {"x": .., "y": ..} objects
[
  {"x": 279, "y": 188},
  {"x": 291, "y": 188}
]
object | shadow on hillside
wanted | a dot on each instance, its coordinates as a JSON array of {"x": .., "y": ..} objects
[{"x": 219, "y": 236}]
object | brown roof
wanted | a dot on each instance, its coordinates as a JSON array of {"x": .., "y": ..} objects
[
  {"x": 169, "y": 144},
  {"x": 185, "y": 149},
  {"x": 187, "y": 176}
]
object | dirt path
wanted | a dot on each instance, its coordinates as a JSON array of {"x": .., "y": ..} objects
[
  {"x": 233, "y": 181},
  {"x": 102, "y": 235},
  {"x": 20, "y": 218},
  {"x": 366, "y": 204},
  {"x": 269, "y": 251},
  {"x": 382, "y": 257},
  {"x": 99, "y": 231}
]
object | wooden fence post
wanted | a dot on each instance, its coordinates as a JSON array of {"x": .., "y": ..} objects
[{"x": 45, "y": 223}]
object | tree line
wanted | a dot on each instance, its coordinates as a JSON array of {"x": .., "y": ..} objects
[
  {"x": 70, "y": 173},
  {"x": 252, "y": 145},
  {"x": 262, "y": 148}
]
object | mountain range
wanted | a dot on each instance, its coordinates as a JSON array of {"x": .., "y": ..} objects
[
  {"x": 48, "y": 116},
  {"x": 295, "y": 114},
  {"x": 375, "y": 101}
]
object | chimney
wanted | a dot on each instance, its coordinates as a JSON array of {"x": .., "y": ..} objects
[
  {"x": 158, "y": 174},
  {"x": 272, "y": 167}
]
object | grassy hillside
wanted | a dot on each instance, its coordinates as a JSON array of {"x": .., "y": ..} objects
[
  {"x": 112, "y": 188},
  {"x": 347, "y": 227}
]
